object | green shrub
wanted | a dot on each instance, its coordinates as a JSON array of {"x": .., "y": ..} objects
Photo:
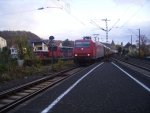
[
  {"x": 57, "y": 66},
  {"x": 62, "y": 65},
  {"x": 5, "y": 77},
  {"x": 3, "y": 68}
]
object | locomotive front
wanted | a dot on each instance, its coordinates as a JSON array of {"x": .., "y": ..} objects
[{"x": 83, "y": 51}]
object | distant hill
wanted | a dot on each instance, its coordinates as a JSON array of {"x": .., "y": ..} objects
[{"x": 10, "y": 36}]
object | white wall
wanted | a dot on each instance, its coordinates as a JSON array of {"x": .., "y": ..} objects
[{"x": 3, "y": 43}]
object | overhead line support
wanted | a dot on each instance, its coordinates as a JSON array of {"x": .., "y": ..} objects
[{"x": 106, "y": 28}]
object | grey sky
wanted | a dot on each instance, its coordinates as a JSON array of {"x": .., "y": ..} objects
[{"x": 73, "y": 20}]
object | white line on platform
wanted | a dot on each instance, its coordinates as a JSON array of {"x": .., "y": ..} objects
[
  {"x": 68, "y": 90},
  {"x": 137, "y": 81}
]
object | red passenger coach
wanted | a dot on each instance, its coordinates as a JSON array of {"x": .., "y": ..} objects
[
  {"x": 86, "y": 50},
  {"x": 63, "y": 52}
]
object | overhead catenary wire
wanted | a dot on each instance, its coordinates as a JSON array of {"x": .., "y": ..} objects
[
  {"x": 118, "y": 20},
  {"x": 114, "y": 25},
  {"x": 68, "y": 11},
  {"x": 123, "y": 14},
  {"x": 134, "y": 14},
  {"x": 107, "y": 30}
]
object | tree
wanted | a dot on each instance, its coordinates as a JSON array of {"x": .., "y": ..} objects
[
  {"x": 113, "y": 45},
  {"x": 22, "y": 45},
  {"x": 5, "y": 55},
  {"x": 120, "y": 50},
  {"x": 29, "y": 53},
  {"x": 144, "y": 45}
]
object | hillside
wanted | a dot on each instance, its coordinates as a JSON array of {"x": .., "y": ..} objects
[{"x": 10, "y": 36}]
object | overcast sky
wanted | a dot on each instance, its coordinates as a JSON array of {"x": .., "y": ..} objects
[{"x": 74, "y": 19}]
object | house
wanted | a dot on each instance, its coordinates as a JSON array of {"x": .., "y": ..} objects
[
  {"x": 43, "y": 45},
  {"x": 130, "y": 48},
  {"x": 3, "y": 43},
  {"x": 39, "y": 46},
  {"x": 13, "y": 52}
]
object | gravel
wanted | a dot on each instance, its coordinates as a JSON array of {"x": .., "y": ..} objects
[{"x": 14, "y": 83}]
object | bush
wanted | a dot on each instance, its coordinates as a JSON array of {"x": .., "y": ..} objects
[
  {"x": 3, "y": 68},
  {"x": 57, "y": 66},
  {"x": 62, "y": 65},
  {"x": 5, "y": 77},
  {"x": 35, "y": 62}
]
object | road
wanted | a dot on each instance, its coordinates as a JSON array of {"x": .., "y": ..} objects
[{"x": 101, "y": 89}]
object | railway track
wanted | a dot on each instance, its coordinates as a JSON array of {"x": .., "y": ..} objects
[
  {"x": 145, "y": 65},
  {"x": 145, "y": 72},
  {"x": 15, "y": 96},
  {"x": 141, "y": 61}
]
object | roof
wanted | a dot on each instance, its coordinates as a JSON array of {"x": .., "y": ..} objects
[
  {"x": 129, "y": 45},
  {"x": 106, "y": 44},
  {"x": 2, "y": 38},
  {"x": 56, "y": 42}
]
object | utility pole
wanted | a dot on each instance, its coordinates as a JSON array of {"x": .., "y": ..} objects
[
  {"x": 139, "y": 43},
  {"x": 106, "y": 28},
  {"x": 131, "y": 39},
  {"x": 51, "y": 44}
]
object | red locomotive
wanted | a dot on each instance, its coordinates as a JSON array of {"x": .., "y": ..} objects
[{"x": 86, "y": 50}]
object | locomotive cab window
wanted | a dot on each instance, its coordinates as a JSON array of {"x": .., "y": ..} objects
[{"x": 82, "y": 44}]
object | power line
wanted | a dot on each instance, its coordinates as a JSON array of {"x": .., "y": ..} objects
[
  {"x": 114, "y": 24},
  {"x": 134, "y": 14},
  {"x": 95, "y": 24},
  {"x": 68, "y": 11}
]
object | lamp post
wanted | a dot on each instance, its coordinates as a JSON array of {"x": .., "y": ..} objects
[{"x": 51, "y": 44}]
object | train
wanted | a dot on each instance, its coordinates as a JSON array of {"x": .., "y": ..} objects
[
  {"x": 84, "y": 51},
  {"x": 57, "y": 52},
  {"x": 87, "y": 51},
  {"x": 63, "y": 52}
]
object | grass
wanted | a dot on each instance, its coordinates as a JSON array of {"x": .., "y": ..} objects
[
  {"x": 14, "y": 72},
  {"x": 61, "y": 65}
]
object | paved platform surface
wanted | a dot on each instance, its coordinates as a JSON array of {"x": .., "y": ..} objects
[{"x": 105, "y": 89}]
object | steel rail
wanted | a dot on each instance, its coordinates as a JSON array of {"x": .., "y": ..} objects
[
  {"x": 136, "y": 65},
  {"x": 15, "y": 96}
]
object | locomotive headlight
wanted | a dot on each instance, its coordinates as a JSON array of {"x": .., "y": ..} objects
[
  {"x": 75, "y": 54},
  {"x": 88, "y": 54}
]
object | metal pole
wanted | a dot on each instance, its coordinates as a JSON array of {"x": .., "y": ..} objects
[
  {"x": 139, "y": 43},
  {"x": 106, "y": 28},
  {"x": 131, "y": 39},
  {"x": 51, "y": 38},
  {"x": 52, "y": 52}
]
